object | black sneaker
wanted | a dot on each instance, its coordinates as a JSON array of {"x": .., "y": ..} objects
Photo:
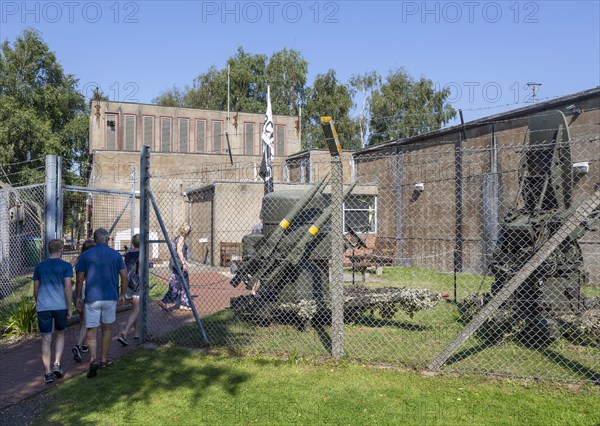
[
  {"x": 122, "y": 340},
  {"x": 84, "y": 349},
  {"x": 94, "y": 366},
  {"x": 77, "y": 353},
  {"x": 58, "y": 371},
  {"x": 49, "y": 378}
]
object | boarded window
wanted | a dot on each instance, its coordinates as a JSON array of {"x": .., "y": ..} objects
[
  {"x": 201, "y": 135},
  {"x": 149, "y": 131},
  {"x": 249, "y": 138},
  {"x": 184, "y": 125},
  {"x": 165, "y": 134},
  {"x": 111, "y": 131},
  {"x": 217, "y": 136},
  {"x": 130, "y": 132},
  {"x": 280, "y": 141}
]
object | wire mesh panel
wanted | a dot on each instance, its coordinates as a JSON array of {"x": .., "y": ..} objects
[
  {"x": 21, "y": 232},
  {"x": 474, "y": 256}
]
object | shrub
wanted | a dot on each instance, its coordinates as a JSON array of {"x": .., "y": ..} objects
[{"x": 22, "y": 318}]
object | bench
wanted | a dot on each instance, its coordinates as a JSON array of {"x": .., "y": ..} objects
[
  {"x": 380, "y": 252},
  {"x": 362, "y": 262}
]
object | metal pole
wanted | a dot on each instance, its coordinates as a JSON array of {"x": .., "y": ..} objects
[
  {"x": 50, "y": 210},
  {"x": 458, "y": 208},
  {"x": 337, "y": 242},
  {"x": 59, "y": 200},
  {"x": 132, "y": 201},
  {"x": 337, "y": 253},
  {"x": 144, "y": 272},
  {"x": 179, "y": 270}
]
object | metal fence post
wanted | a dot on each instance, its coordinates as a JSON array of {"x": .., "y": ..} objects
[
  {"x": 144, "y": 237},
  {"x": 132, "y": 201},
  {"x": 53, "y": 211},
  {"x": 337, "y": 243}
]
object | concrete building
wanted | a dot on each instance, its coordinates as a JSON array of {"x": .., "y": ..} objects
[
  {"x": 189, "y": 155},
  {"x": 419, "y": 225},
  {"x": 406, "y": 195}
]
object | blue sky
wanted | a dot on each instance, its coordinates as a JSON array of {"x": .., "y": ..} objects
[{"x": 484, "y": 51}]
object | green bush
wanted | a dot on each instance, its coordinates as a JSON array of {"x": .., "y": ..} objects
[{"x": 22, "y": 318}]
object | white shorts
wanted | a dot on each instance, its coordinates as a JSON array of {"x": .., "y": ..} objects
[{"x": 101, "y": 310}]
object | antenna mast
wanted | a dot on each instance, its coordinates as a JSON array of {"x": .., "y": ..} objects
[{"x": 534, "y": 88}]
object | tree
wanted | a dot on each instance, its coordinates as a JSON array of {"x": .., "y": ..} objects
[
  {"x": 287, "y": 69},
  {"x": 328, "y": 96},
  {"x": 364, "y": 84},
  {"x": 173, "y": 97},
  {"x": 209, "y": 91},
  {"x": 41, "y": 112},
  {"x": 249, "y": 75},
  {"x": 403, "y": 107}
]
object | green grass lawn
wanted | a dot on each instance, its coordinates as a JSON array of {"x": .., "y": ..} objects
[
  {"x": 176, "y": 386},
  {"x": 405, "y": 341}
]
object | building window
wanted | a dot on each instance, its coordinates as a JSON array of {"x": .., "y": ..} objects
[
  {"x": 111, "y": 131},
  {"x": 360, "y": 213},
  {"x": 200, "y": 135},
  {"x": 280, "y": 141},
  {"x": 165, "y": 134},
  {"x": 184, "y": 125},
  {"x": 249, "y": 138},
  {"x": 217, "y": 136},
  {"x": 149, "y": 132},
  {"x": 129, "y": 133}
]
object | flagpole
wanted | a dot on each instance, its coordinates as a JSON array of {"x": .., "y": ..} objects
[{"x": 267, "y": 138}]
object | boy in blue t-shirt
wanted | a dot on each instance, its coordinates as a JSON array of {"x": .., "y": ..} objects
[{"x": 53, "y": 298}]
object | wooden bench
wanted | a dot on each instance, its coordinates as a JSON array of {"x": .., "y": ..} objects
[{"x": 362, "y": 262}]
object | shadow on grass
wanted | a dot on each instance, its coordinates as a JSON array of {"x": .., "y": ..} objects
[
  {"x": 377, "y": 323},
  {"x": 146, "y": 376},
  {"x": 459, "y": 356},
  {"x": 576, "y": 367},
  {"x": 221, "y": 330},
  {"x": 324, "y": 337}
]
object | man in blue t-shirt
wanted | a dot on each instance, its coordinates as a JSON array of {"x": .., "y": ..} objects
[
  {"x": 101, "y": 267},
  {"x": 52, "y": 293}
]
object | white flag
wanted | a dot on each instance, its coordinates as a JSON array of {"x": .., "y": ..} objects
[{"x": 268, "y": 146}]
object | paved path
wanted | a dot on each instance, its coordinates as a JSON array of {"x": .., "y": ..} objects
[{"x": 21, "y": 368}]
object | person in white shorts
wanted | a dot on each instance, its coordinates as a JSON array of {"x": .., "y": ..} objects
[{"x": 100, "y": 267}]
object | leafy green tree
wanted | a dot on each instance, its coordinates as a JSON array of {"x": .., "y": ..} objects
[
  {"x": 209, "y": 91},
  {"x": 403, "y": 107},
  {"x": 249, "y": 75},
  {"x": 287, "y": 69},
  {"x": 328, "y": 96},
  {"x": 41, "y": 112},
  {"x": 173, "y": 97},
  {"x": 363, "y": 85}
]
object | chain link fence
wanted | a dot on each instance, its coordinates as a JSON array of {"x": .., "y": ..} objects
[
  {"x": 21, "y": 233},
  {"x": 479, "y": 257},
  {"x": 470, "y": 257}
]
